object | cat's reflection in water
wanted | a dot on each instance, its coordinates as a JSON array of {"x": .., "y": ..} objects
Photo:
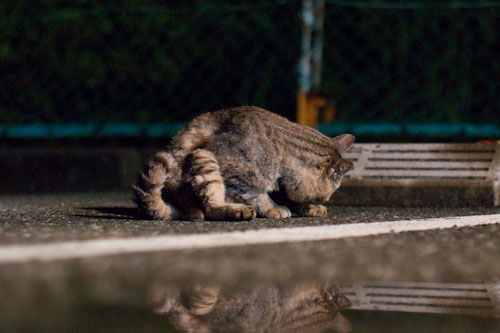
[{"x": 265, "y": 309}]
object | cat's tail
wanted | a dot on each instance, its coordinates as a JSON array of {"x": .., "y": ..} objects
[
  {"x": 163, "y": 175},
  {"x": 161, "y": 171}
]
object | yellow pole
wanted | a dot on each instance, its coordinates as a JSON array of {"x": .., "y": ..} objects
[{"x": 307, "y": 112}]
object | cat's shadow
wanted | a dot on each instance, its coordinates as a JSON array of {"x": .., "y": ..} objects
[{"x": 112, "y": 213}]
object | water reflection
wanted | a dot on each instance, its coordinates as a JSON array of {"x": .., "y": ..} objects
[
  {"x": 475, "y": 299},
  {"x": 265, "y": 309},
  {"x": 316, "y": 308}
]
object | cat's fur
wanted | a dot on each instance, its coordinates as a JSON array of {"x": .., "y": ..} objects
[
  {"x": 266, "y": 309},
  {"x": 224, "y": 164}
]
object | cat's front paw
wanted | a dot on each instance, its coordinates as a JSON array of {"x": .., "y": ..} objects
[
  {"x": 313, "y": 210},
  {"x": 279, "y": 212},
  {"x": 230, "y": 212},
  {"x": 239, "y": 212}
]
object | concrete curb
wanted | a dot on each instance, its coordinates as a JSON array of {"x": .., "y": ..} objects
[{"x": 39, "y": 170}]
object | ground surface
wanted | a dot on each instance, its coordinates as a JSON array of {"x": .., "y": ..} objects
[
  {"x": 51, "y": 217},
  {"x": 468, "y": 254}
]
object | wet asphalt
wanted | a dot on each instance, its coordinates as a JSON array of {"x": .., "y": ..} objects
[
  {"x": 62, "y": 217},
  {"x": 452, "y": 255},
  {"x": 460, "y": 255}
]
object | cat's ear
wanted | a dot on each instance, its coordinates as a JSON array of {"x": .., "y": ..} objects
[
  {"x": 339, "y": 167},
  {"x": 344, "y": 141}
]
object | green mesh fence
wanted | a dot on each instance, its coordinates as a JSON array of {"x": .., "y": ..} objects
[
  {"x": 413, "y": 61},
  {"x": 144, "y": 61},
  {"x": 150, "y": 62}
]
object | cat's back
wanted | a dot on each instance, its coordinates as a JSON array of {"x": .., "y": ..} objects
[
  {"x": 210, "y": 127},
  {"x": 247, "y": 130},
  {"x": 256, "y": 133},
  {"x": 248, "y": 119},
  {"x": 253, "y": 127}
]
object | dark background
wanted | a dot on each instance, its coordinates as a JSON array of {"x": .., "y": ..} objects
[{"x": 163, "y": 62}]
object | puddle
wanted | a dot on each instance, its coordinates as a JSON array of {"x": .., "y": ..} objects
[{"x": 114, "y": 306}]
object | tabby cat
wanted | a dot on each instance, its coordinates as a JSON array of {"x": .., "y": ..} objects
[
  {"x": 224, "y": 165},
  {"x": 306, "y": 308}
]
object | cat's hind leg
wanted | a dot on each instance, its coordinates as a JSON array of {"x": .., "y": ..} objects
[{"x": 208, "y": 185}]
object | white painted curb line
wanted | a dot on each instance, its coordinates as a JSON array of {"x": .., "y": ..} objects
[{"x": 105, "y": 247}]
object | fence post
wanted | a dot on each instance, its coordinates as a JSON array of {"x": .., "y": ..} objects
[{"x": 310, "y": 61}]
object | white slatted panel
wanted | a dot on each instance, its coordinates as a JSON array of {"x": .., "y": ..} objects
[
  {"x": 433, "y": 164},
  {"x": 423, "y": 173},
  {"x": 495, "y": 178},
  {"x": 427, "y": 162},
  {"x": 452, "y": 298}
]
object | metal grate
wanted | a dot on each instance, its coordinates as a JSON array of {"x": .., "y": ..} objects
[
  {"x": 473, "y": 169},
  {"x": 480, "y": 299}
]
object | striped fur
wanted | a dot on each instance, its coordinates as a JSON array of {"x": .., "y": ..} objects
[
  {"x": 266, "y": 309},
  {"x": 224, "y": 164}
]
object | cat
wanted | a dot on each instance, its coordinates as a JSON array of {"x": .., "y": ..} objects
[
  {"x": 224, "y": 164},
  {"x": 306, "y": 308}
]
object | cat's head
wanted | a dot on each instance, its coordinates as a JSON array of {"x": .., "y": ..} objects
[
  {"x": 337, "y": 167},
  {"x": 316, "y": 183}
]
